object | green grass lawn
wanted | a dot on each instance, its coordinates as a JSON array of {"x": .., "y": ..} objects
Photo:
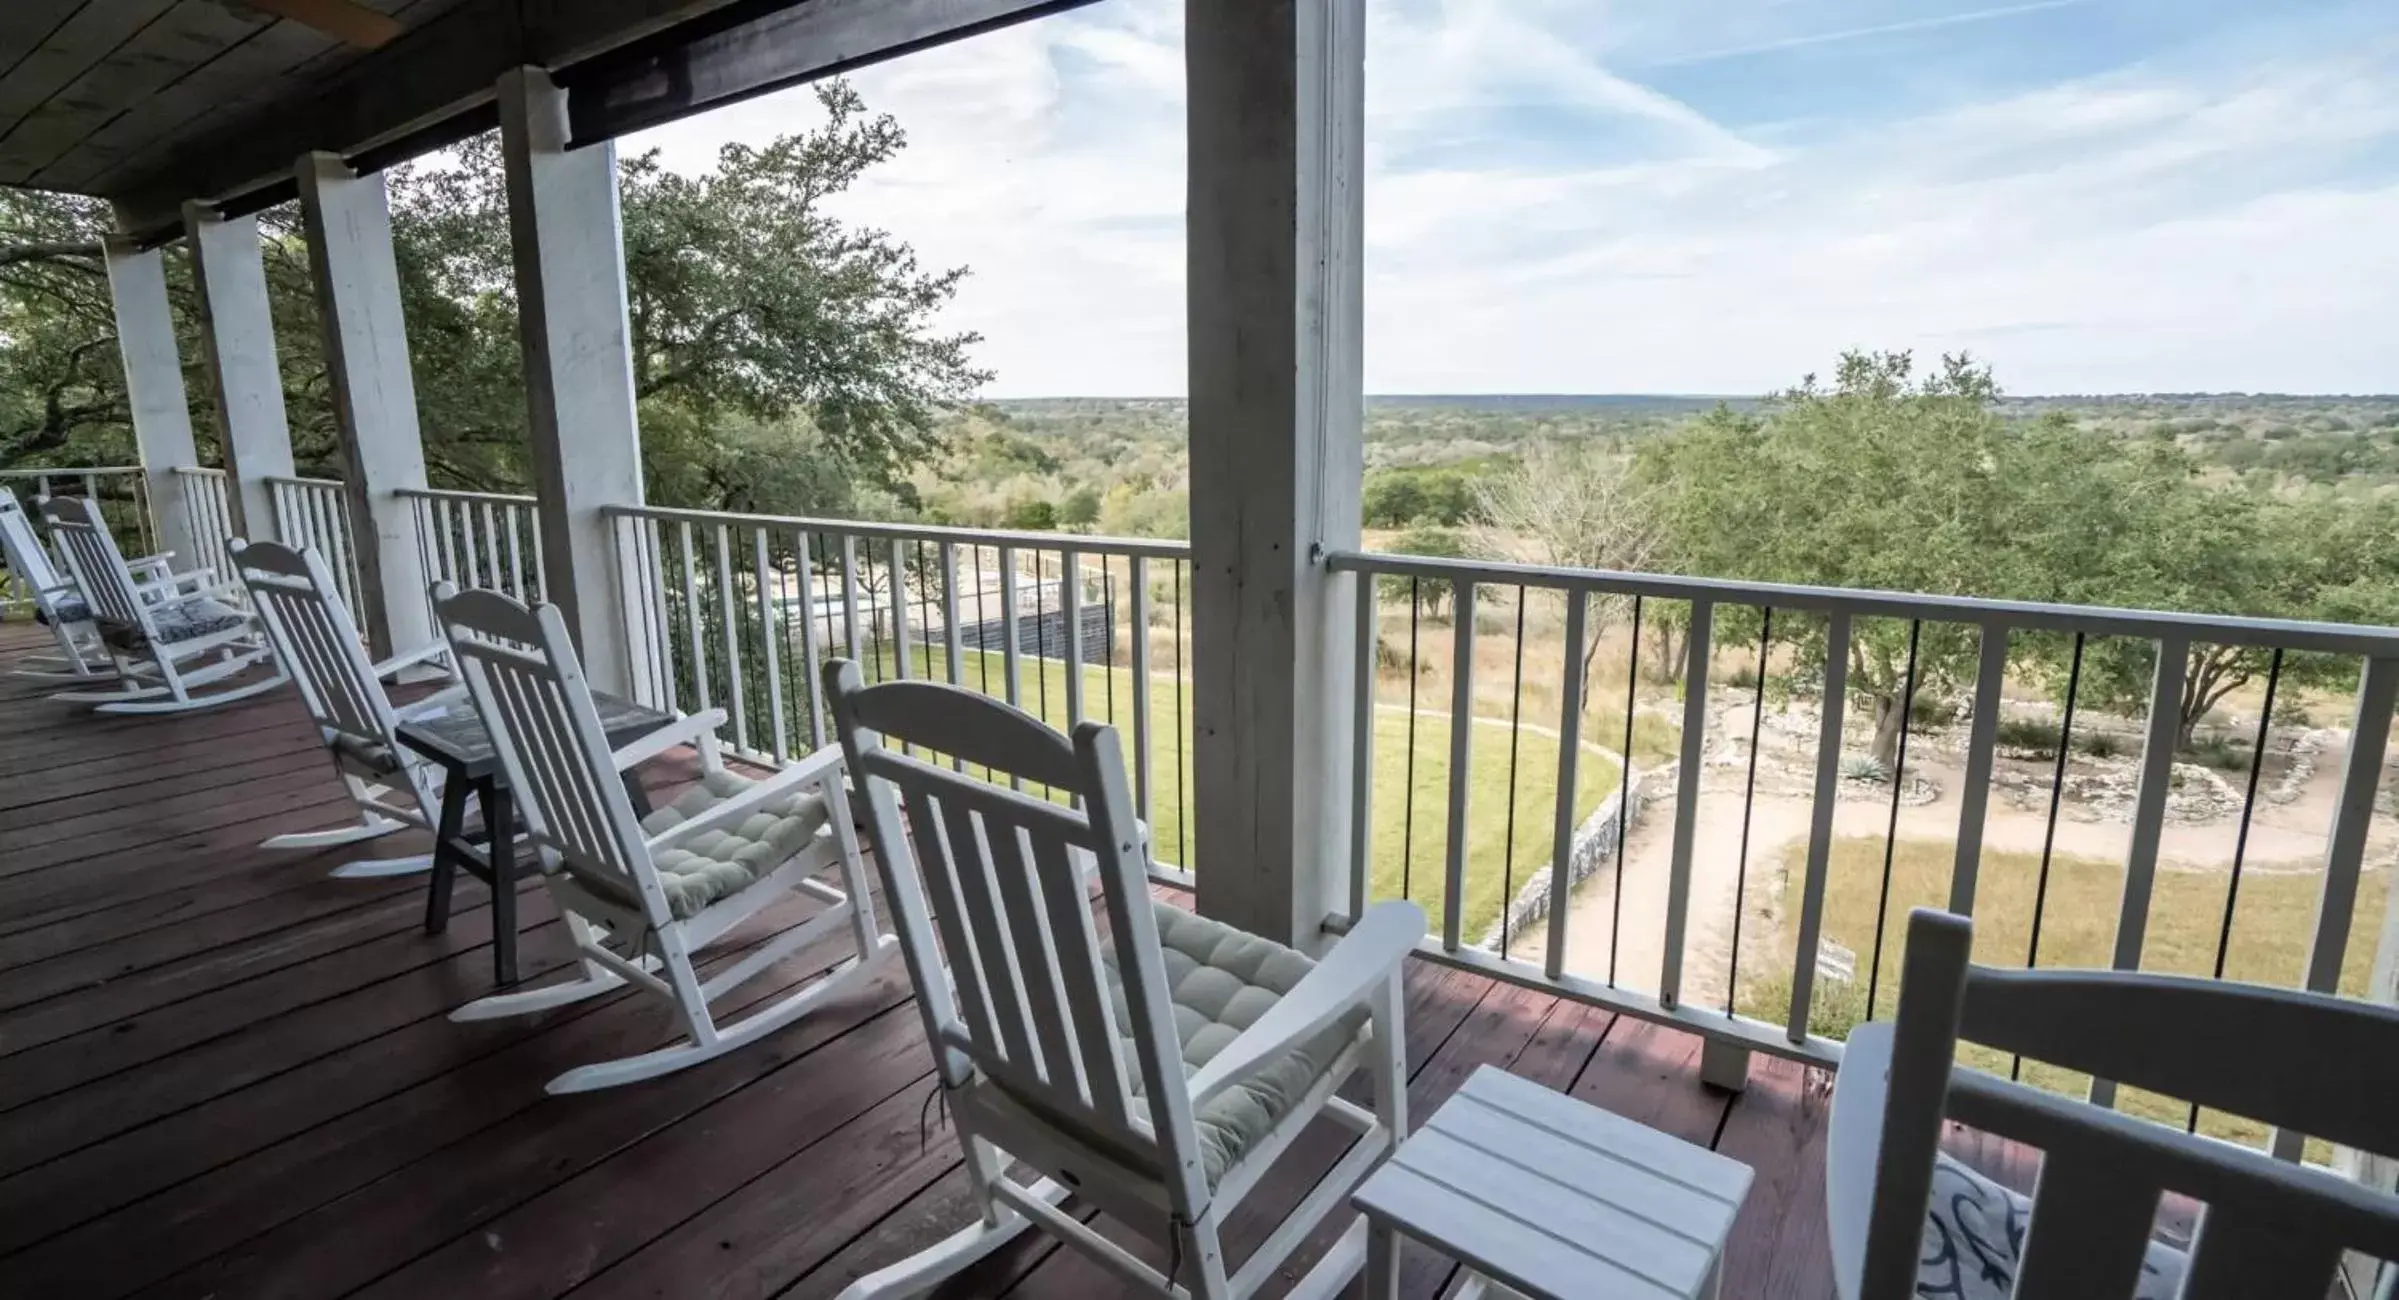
[
  {"x": 2271, "y": 925},
  {"x": 1408, "y": 836}
]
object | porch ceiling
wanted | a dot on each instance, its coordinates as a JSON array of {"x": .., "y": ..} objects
[{"x": 149, "y": 103}]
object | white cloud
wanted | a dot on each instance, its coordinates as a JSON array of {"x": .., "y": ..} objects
[{"x": 2167, "y": 225}]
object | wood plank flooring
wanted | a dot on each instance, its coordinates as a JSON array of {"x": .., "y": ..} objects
[{"x": 224, "y": 1074}]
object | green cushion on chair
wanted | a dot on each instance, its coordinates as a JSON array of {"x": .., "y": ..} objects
[{"x": 717, "y": 864}]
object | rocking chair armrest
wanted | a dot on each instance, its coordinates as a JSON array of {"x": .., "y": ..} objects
[
  {"x": 156, "y": 562},
  {"x": 429, "y": 650},
  {"x": 170, "y": 584},
  {"x": 1358, "y": 966},
  {"x": 682, "y": 731},
  {"x": 440, "y": 699},
  {"x": 811, "y": 770}
]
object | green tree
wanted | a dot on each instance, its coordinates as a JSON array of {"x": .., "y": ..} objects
[
  {"x": 1883, "y": 479},
  {"x": 776, "y": 350},
  {"x": 1428, "y": 594},
  {"x": 1081, "y": 509}
]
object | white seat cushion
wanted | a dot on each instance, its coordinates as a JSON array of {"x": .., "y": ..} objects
[
  {"x": 717, "y": 864},
  {"x": 183, "y": 621},
  {"x": 1221, "y": 980},
  {"x": 1974, "y": 1237}
]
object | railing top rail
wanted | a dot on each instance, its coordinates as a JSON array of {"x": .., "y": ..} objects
[
  {"x": 2290, "y": 634},
  {"x": 64, "y": 471},
  {"x": 1148, "y": 546},
  {"x": 200, "y": 471},
  {"x": 453, "y": 494},
  {"x": 294, "y": 480}
]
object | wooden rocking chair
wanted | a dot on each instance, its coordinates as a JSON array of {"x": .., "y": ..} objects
[
  {"x": 643, "y": 895},
  {"x": 59, "y": 605},
  {"x": 319, "y": 647},
  {"x": 157, "y": 639},
  {"x": 1156, "y": 1076},
  {"x": 1905, "y": 1221}
]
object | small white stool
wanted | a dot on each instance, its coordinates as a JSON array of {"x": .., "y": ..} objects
[{"x": 1548, "y": 1197}]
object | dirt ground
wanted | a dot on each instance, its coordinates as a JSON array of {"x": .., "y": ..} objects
[{"x": 2282, "y": 836}]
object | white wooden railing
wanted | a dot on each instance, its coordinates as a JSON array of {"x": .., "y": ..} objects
[
  {"x": 123, "y": 495},
  {"x": 1808, "y": 638},
  {"x": 316, "y": 512},
  {"x": 736, "y": 611},
  {"x": 479, "y": 539},
  {"x": 208, "y": 508}
]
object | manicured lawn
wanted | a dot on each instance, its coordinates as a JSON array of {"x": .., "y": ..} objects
[{"x": 2272, "y": 923}]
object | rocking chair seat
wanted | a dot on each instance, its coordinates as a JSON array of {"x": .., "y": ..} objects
[
  {"x": 68, "y": 609},
  {"x": 1221, "y": 980},
  {"x": 717, "y": 864},
  {"x": 186, "y": 621},
  {"x": 369, "y": 757}
]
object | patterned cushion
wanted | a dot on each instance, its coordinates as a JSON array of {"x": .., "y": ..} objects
[
  {"x": 187, "y": 621},
  {"x": 1974, "y": 1235},
  {"x": 1221, "y": 980},
  {"x": 720, "y": 863},
  {"x": 71, "y": 609},
  {"x": 375, "y": 757}
]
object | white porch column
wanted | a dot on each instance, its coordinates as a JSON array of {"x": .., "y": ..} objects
[
  {"x": 238, "y": 333},
  {"x": 374, "y": 393},
  {"x": 162, "y": 418},
  {"x": 564, "y": 226},
  {"x": 1276, "y": 112}
]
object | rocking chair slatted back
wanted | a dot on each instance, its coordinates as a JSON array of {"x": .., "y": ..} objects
[
  {"x": 996, "y": 876},
  {"x": 99, "y": 567},
  {"x": 527, "y": 683},
  {"x": 22, "y": 547},
  {"x": 293, "y": 592}
]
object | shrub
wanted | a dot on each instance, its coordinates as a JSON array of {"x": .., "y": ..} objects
[
  {"x": 1742, "y": 678},
  {"x": 2220, "y": 752},
  {"x": 2027, "y": 733},
  {"x": 1837, "y": 1007},
  {"x": 2100, "y": 744},
  {"x": 1934, "y": 711},
  {"x": 1865, "y": 769}
]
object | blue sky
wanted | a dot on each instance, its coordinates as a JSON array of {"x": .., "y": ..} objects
[{"x": 1653, "y": 196}]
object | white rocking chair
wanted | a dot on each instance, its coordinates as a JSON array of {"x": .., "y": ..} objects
[
  {"x": 1157, "y": 1076},
  {"x": 643, "y": 896},
  {"x": 319, "y": 647},
  {"x": 157, "y": 639},
  {"x": 1907, "y": 1221},
  {"x": 60, "y": 606}
]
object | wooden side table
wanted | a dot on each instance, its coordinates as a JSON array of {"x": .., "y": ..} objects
[
  {"x": 1551, "y": 1198},
  {"x": 455, "y": 739}
]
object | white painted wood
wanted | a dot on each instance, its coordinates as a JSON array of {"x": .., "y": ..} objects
[
  {"x": 1365, "y": 640},
  {"x": 60, "y": 604},
  {"x": 1700, "y": 648},
  {"x": 1070, "y": 607},
  {"x": 1982, "y": 745},
  {"x": 348, "y": 224},
  {"x": 162, "y": 420},
  {"x": 1275, "y": 108},
  {"x": 1143, "y": 742},
  {"x": 2308, "y": 1062},
  {"x": 528, "y": 687},
  {"x": 771, "y": 635},
  {"x": 728, "y": 611},
  {"x": 1557, "y": 1199},
  {"x": 1832, "y": 707},
  {"x": 237, "y": 337},
  {"x": 322, "y": 651},
  {"x": 1570, "y": 755},
  {"x": 566, "y": 235},
  {"x": 1030, "y": 1058},
  {"x": 152, "y": 676},
  {"x": 1461, "y": 764}
]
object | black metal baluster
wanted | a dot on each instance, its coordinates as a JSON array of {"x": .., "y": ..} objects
[
  {"x": 1749, "y": 799},
  {"x": 1407, "y": 835},
  {"x": 1882, "y": 903},
  {"x": 2057, "y": 795}
]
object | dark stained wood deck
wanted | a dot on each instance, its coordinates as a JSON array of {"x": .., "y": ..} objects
[{"x": 223, "y": 1074}]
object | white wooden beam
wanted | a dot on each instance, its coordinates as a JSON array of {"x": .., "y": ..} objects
[
  {"x": 237, "y": 337},
  {"x": 348, "y": 221},
  {"x": 162, "y": 417},
  {"x": 568, "y": 238},
  {"x": 1275, "y": 120}
]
